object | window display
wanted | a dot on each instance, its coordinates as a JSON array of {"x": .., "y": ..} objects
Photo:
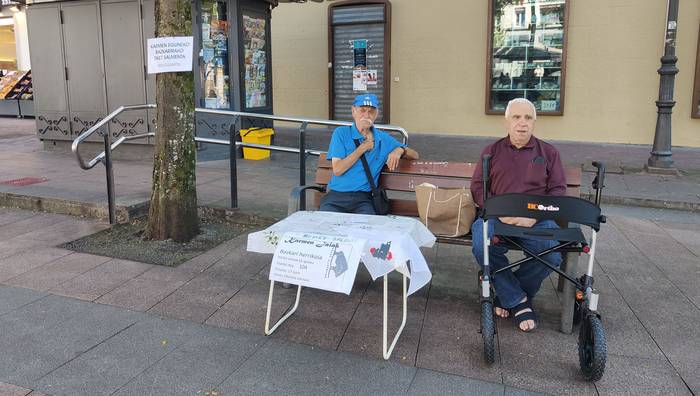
[
  {"x": 22, "y": 89},
  {"x": 527, "y": 54},
  {"x": 9, "y": 79},
  {"x": 255, "y": 61},
  {"x": 213, "y": 57},
  {"x": 16, "y": 93}
]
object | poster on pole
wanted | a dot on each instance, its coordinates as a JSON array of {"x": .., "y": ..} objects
[
  {"x": 169, "y": 54},
  {"x": 314, "y": 260}
]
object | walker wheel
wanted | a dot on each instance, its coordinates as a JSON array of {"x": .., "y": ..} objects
[
  {"x": 488, "y": 331},
  {"x": 592, "y": 348}
]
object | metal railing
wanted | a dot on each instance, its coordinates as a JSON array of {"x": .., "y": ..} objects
[
  {"x": 105, "y": 157},
  {"x": 305, "y": 122}
]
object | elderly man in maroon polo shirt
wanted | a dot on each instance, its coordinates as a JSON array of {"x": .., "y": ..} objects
[{"x": 520, "y": 163}]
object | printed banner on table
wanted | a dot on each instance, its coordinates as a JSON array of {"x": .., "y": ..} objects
[
  {"x": 169, "y": 54},
  {"x": 314, "y": 260}
]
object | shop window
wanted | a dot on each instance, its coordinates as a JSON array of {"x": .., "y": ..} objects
[
  {"x": 527, "y": 54},
  {"x": 696, "y": 92},
  {"x": 213, "y": 58},
  {"x": 255, "y": 50}
]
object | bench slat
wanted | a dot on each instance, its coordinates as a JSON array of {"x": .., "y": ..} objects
[
  {"x": 463, "y": 170},
  {"x": 421, "y": 167},
  {"x": 398, "y": 182},
  {"x": 573, "y": 176},
  {"x": 401, "y": 182},
  {"x": 403, "y": 207}
]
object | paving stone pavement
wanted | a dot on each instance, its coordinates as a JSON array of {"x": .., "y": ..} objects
[
  {"x": 79, "y": 324},
  {"x": 73, "y": 323}
]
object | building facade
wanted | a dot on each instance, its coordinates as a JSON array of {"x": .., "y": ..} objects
[
  {"x": 91, "y": 56},
  {"x": 449, "y": 66}
]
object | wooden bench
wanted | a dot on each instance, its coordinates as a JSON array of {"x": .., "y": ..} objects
[{"x": 410, "y": 174}]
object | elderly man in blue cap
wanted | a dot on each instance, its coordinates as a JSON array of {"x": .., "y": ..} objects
[{"x": 349, "y": 189}]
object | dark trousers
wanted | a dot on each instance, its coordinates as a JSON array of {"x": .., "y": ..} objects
[
  {"x": 512, "y": 286},
  {"x": 359, "y": 202}
]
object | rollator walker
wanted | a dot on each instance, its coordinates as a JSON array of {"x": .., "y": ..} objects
[{"x": 592, "y": 346}]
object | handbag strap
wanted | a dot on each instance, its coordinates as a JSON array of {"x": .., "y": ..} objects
[{"x": 365, "y": 165}]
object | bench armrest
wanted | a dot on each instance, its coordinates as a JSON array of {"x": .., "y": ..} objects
[{"x": 293, "y": 205}]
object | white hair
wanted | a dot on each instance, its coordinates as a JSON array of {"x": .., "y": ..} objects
[{"x": 523, "y": 101}]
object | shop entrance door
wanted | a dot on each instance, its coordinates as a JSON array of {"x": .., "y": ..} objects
[{"x": 359, "y": 43}]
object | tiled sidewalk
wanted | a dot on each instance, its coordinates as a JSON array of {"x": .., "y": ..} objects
[{"x": 647, "y": 274}]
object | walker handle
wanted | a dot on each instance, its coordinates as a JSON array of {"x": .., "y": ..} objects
[{"x": 599, "y": 181}]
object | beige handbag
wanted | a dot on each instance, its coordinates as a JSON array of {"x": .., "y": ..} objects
[{"x": 445, "y": 211}]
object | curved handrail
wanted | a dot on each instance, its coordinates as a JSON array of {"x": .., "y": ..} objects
[
  {"x": 311, "y": 121},
  {"x": 100, "y": 124},
  {"x": 101, "y": 156}
]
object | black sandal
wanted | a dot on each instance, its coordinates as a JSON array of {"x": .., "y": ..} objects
[{"x": 520, "y": 318}]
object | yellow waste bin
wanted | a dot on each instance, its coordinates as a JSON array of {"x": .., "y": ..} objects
[{"x": 257, "y": 136}]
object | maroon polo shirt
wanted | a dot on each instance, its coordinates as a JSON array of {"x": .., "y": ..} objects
[{"x": 535, "y": 168}]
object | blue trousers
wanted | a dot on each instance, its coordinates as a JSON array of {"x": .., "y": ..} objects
[
  {"x": 512, "y": 286},
  {"x": 359, "y": 202}
]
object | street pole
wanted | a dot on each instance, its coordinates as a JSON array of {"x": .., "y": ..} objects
[{"x": 661, "y": 160}]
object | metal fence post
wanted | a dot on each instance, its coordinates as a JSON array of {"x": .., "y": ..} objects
[
  {"x": 302, "y": 164},
  {"x": 233, "y": 169},
  {"x": 110, "y": 178}
]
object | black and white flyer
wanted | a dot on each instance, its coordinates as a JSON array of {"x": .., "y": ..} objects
[{"x": 314, "y": 260}]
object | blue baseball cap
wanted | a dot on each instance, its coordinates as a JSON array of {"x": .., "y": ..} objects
[{"x": 366, "y": 100}]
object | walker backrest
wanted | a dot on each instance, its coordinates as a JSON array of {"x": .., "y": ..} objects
[{"x": 540, "y": 207}]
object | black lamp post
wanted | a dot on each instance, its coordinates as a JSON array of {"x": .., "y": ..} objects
[{"x": 661, "y": 160}]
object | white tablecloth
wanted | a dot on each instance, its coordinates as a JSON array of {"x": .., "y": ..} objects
[{"x": 392, "y": 242}]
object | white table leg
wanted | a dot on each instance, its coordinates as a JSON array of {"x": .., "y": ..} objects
[
  {"x": 289, "y": 313},
  {"x": 387, "y": 353}
]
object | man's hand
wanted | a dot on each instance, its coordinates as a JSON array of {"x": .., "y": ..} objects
[
  {"x": 364, "y": 124},
  {"x": 518, "y": 221},
  {"x": 366, "y": 145},
  {"x": 393, "y": 160}
]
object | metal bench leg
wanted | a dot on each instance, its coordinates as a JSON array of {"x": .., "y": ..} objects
[
  {"x": 387, "y": 353},
  {"x": 289, "y": 313},
  {"x": 568, "y": 293}
]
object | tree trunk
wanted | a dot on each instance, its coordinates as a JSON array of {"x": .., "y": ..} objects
[{"x": 173, "y": 210}]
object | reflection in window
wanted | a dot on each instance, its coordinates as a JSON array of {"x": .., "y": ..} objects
[
  {"x": 526, "y": 57},
  {"x": 213, "y": 58}
]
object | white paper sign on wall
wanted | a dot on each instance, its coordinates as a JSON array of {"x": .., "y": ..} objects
[
  {"x": 169, "y": 54},
  {"x": 319, "y": 261}
]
